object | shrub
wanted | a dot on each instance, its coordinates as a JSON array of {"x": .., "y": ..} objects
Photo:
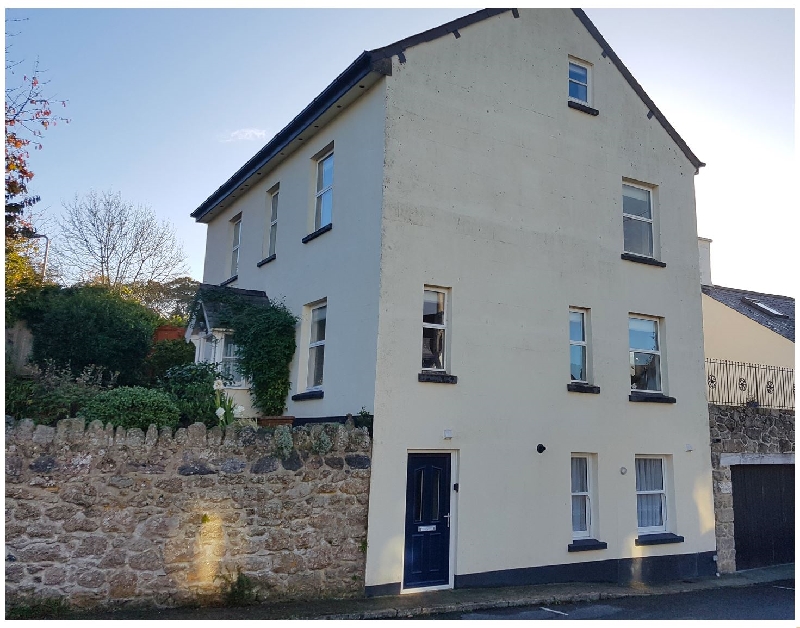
[
  {"x": 192, "y": 388},
  {"x": 133, "y": 407},
  {"x": 238, "y": 589},
  {"x": 52, "y": 394},
  {"x": 165, "y": 355},
  {"x": 91, "y": 325},
  {"x": 283, "y": 442}
]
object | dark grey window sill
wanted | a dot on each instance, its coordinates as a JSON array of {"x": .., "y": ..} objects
[
  {"x": 227, "y": 281},
  {"x": 642, "y": 259},
  {"x": 663, "y": 538},
  {"x": 437, "y": 378},
  {"x": 585, "y": 545},
  {"x": 318, "y": 232},
  {"x": 309, "y": 394},
  {"x": 266, "y": 260},
  {"x": 650, "y": 398},
  {"x": 585, "y": 108},
  {"x": 582, "y": 387}
]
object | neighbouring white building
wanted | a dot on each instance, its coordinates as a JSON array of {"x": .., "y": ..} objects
[{"x": 488, "y": 231}]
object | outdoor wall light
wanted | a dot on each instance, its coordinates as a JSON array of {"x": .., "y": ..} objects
[
  {"x": 447, "y": 434},
  {"x": 540, "y": 448},
  {"x": 623, "y": 470}
]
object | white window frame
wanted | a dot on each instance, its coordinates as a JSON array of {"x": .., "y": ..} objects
[
  {"x": 320, "y": 192},
  {"x": 650, "y": 221},
  {"x": 578, "y": 534},
  {"x": 227, "y": 340},
  {"x": 272, "y": 237},
  {"x": 588, "y": 67},
  {"x": 318, "y": 343},
  {"x": 437, "y": 326},
  {"x": 658, "y": 352},
  {"x": 237, "y": 240},
  {"x": 662, "y": 492},
  {"x": 584, "y": 312}
]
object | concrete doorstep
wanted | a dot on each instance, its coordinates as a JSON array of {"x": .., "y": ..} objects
[{"x": 451, "y": 601}]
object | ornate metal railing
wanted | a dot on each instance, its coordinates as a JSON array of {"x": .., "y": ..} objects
[{"x": 741, "y": 383}]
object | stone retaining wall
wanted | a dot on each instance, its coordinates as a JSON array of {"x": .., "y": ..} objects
[
  {"x": 100, "y": 516},
  {"x": 741, "y": 430}
]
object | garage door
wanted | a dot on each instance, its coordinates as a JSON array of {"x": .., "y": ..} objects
[{"x": 763, "y": 514}]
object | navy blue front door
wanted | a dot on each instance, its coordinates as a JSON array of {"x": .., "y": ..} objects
[{"x": 427, "y": 547}]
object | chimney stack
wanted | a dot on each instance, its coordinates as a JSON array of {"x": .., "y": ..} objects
[{"x": 704, "y": 248}]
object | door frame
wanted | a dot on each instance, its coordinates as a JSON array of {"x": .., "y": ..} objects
[{"x": 453, "y": 519}]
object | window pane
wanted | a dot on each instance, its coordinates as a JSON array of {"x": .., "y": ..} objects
[
  {"x": 649, "y": 474},
  {"x": 433, "y": 308},
  {"x": 645, "y": 371},
  {"x": 273, "y": 234},
  {"x": 274, "y": 215},
  {"x": 436, "y": 489},
  {"x": 577, "y": 72},
  {"x": 577, "y": 91},
  {"x": 577, "y": 362},
  {"x": 649, "y": 511},
  {"x": 643, "y": 334},
  {"x": 325, "y": 173},
  {"x": 230, "y": 347},
  {"x": 635, "y": 201},
  {"x": 237, "y": 231},
  {"x": 316, "y": 358},
  {"x": 234, "y": 262},
  {"x": 318, "y": 316},
  {"x": 580, "y": 479},
  {"x": 576, "y": 326},
  {"x": 432, "y": 348},
  {"x": 638, "y": 236},
  {"x": 579, "y": 508},
  {"x": 324, "y": 209}
]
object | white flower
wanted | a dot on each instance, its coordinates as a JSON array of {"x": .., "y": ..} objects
[
  {"x": 218, "y": 385},
  {"x": 237, "y": 411},
  {"x": 220, "y": 412}
]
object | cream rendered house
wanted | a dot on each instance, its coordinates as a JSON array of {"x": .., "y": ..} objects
[{"x": 488, "y": 231}]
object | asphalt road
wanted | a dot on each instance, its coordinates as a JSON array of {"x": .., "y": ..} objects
[{"x": 774, "y": 600}]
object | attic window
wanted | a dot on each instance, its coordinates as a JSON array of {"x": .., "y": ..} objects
[{"x": 764, "y": 308}]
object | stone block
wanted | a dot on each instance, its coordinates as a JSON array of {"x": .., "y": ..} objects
[
  {"x": 120, "y": 481},
  {"x": 40, "y": 553},
  {"x": 38, "y": 530},
  {"x": 196, "y": 467},
  {"x": 725, "y": 515},
  {"x": 215, "y": 436},
  {"x": 25, "y": 511},
  {"x": 14, "y": 531},
  {"x": 80, "y": 523},
  {"x": 60, "y": 512},
  {"x": 293, "y": 462},
  {"x": 335, "y": 462},
  {"x": 83, "y": 495},
  {"x": 91, "y": 546},
  {"x": 288, "y": 563},
  {"x": 43, "y": 435},
  {"x": 267, "y": 464},
  {"x": 14, "y": 572},
  {"x": 196, "y": 435},
  {"x": 91, "y": 578},
  {"x": 122, "y": 585},
  {"x": 43, "y": 464},
  {"x": 146, "y": 561}
]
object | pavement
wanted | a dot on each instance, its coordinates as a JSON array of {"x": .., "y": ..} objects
[{"x": 450, "y": 601}]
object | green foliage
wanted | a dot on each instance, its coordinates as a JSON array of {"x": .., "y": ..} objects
[
  {"x": 52, "y": 394},
  {"x": 91, "y": 325},
  {"x": 172, "y": 299},
  {"x": 238, "y": 589},
  {"x": 265, "y": 340},
  {"x": 363, "y": 419},
  {"x": 133, "y": 407},
  {"x": 165, "y": 355},
  {"x": 282, "y": 441},
  {"x": 21, "y": 276},
  {"x": 192, "y": 388},
  {"x": 45, "y": 608},
  {"x": 322, "y": 443}
]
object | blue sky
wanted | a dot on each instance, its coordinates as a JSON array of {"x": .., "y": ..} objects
[{"x": 165, "y": 105}]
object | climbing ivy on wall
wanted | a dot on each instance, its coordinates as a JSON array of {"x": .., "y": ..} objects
[{"x": 265, "y": 337}]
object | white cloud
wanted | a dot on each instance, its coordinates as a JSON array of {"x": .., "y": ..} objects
[{"x": 244, "y": 135}]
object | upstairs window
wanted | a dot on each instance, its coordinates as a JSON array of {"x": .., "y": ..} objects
[
  {"x": 323, "y": 213},
  {"x": 637, "y": 220},
  {"x": 237, "y": 234},
  {"x": 579, "y": 76},
  {"x": 645, "y": 354},
  {"x": 577, "y": 346},
  {"x": 434, "y": 330},
  {"x": 273, "y": 223},
  {"x": 316, "y": 347}
]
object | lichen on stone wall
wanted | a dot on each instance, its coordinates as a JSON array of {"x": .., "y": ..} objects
[{"x": 104, "y": 516}]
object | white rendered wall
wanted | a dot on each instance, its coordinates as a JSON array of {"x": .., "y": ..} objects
[
  {"x": 340, "y": 266},
  {"x": 495, "y": 188}
]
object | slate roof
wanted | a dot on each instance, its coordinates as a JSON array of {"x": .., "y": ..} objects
[
  {"x": 742, "y": 302},
  {"x": 379, "y": 61},
  {"x": 212, "y": 298}
]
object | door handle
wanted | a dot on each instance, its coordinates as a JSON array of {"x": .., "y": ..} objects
[{"x": 447, "y": 516}]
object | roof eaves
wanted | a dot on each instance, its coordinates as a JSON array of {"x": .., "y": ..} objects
[
  {"x": 355, "y": 72},
  {"x": 607, "y": 50}
]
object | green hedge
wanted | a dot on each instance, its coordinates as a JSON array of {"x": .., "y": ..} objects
[
  {"x": 192, "y": 389},
  {"x": 133, "y": 407}
]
